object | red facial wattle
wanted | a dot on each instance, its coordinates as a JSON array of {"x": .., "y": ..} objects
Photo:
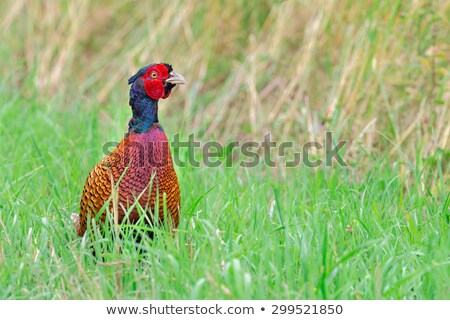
[
  {"x": 153, "y": 81},
  {"x": 154, "y": 89}
]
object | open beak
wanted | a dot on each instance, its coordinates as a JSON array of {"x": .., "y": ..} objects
[{"x": 176, "y": 78}]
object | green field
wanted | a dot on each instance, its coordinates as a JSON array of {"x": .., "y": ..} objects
[{"x": 374, "y": 73}]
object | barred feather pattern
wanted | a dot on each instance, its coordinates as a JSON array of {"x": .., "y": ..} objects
[{"x": 142, "y": 166}]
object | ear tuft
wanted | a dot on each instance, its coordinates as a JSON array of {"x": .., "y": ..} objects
[{"x": 168, "y": 66}]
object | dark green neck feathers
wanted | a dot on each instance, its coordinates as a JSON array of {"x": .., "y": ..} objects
[{"x": 145, "y": 109}]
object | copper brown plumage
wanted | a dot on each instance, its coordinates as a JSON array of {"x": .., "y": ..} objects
[{"x": 141, "y": 165}]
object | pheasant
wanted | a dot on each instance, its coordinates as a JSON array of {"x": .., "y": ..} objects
[{"x": 141, "y": 164}]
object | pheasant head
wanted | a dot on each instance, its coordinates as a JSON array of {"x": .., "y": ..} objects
[{"x": 148, "y": 85}]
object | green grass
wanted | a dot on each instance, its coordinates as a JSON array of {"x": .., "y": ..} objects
[
  {"x": 373, "y": 73},
  {"x": 324, "y": 233}
]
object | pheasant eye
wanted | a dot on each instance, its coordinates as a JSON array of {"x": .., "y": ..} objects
[{"x": 154, "y": 75}]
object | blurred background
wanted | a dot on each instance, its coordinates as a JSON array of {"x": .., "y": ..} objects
[{"x": 375, "y": 73}]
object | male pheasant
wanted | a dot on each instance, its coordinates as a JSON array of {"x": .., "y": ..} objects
[{"x": 141, "y": 165}]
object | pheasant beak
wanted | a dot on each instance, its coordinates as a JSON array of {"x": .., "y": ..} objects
[{"x": 175, "y": 78}]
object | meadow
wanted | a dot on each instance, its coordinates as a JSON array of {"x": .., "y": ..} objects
[{"x": 374, "y": 73}]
